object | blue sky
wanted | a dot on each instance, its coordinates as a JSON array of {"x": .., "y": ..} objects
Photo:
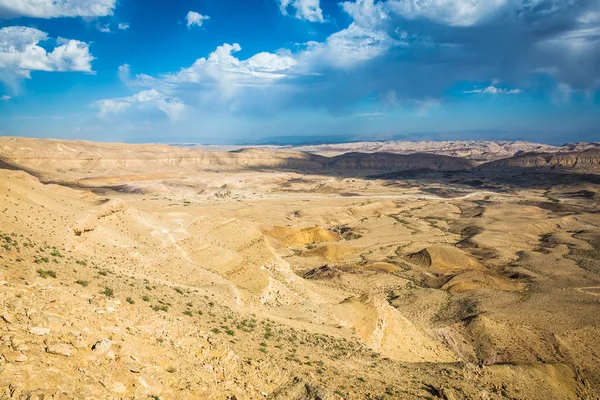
[{"x": 233, "y": 71}]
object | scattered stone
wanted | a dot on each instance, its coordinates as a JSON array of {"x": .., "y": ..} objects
[
  {"x": 14, "y": 356},
  {"x": 60, "y": 349},
  {"x": 119, "y": 387},
  {"x": 152, "y": 387},
  {"x": 102, "y": 346},
  {"x": 297, "y": 388},
  {"x": 133, "y": 367},
  {"x": 39, "y": 331},
  {"x": 8, "y": 318}
]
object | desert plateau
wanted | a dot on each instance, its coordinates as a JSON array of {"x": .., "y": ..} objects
[
  {"x": 469, "y": 270},
  {"x": 300, "y": 200}
]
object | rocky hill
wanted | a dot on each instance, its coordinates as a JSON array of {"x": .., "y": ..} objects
[
  {"x": 480, "y": 151},
  {"x": 588, "y": 160},
  {"x": 54, "y": 158}
]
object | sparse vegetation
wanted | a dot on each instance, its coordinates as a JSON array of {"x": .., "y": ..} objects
[{"x": 46, "y": 273}]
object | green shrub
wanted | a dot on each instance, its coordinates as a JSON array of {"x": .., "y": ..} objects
[
  {"x": 46, "y": 273},
  {"x": 82, "y": 283}
]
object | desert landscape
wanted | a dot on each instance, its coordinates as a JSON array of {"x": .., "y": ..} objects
[{"x": 455, "y": 270}]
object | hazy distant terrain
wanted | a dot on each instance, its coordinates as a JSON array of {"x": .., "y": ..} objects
[
  {"x": 388, "y": 270},
  {"x": 481, "y": 151}
]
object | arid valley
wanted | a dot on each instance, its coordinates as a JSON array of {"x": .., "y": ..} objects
[{"x": 464, "y": 270}]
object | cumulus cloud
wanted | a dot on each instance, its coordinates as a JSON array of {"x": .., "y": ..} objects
[
  {"x": 493, "y": 90},
  {"x": 193, "y": 18},
  {"x": 124, "y": 26},
  {"x": 404, "y": 53},
  {"x": 350, "y": 46},
  {"x": 56, "y": 8},
  {"x": 124, "y": 72},
  {"x": 104, "y": 28},
  {"x": 222, "y": 72},
  {"x": 20, "y": 53},
  {"x": 309, "y": 10},
  {"x": 451, "y": 12},
  {"x": 5, "y": 97},
  {"x": 146, "y": 99}
]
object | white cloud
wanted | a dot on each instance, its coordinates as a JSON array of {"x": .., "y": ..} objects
[
  {"x": 224, "y": 78},
  {"x": 194, "y": 18},
  {"x": 369, "y": 115},
  {"x": 578, "y": 41},
  {"x": 124, "y": 26},
  {"x": 5, "y": 97},
  {"x": 366, "y": 37},
  {"x": 366, "y": 13},
  {"x": 449, "y": 12},
  {"x": 493, "y": 90},
  {"x": 124, "y": 72},
  {"x": 56, "y": 8},
  {"x": 103, "y": 28},
  {"x": 589, "y": 17},
  {"x": 309, "y": 10},
  {"x": 20, "y": 53},
  {"x": 353, "y": 45},
  {"x": 223, "y": 67},
  {"x": 146, "y": 99}
]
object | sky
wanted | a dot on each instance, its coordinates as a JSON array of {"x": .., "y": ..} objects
[{"x": 243, "y": 71}]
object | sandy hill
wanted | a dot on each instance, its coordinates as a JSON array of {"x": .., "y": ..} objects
[
  {"x": 581, "y": 160},
  {"x": 79, "y": 158},
  {"x": 398, "y": 162},
  {"x": 480, "y": 151}
]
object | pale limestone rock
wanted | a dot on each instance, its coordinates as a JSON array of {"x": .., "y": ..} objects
[
  {"x": 133, "y": 367},
  {"x": 17, "y": 341},
  {"x": 8, "y": 318},
  {"x": 38, "y": 331},
  {"x": 60, "y": 349},
  {"x": 14, "y": 356},
  {"x": 152, "y": 387},
  {"x": 102, "y": 346},
  {"x": 119, "y": 387}
]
